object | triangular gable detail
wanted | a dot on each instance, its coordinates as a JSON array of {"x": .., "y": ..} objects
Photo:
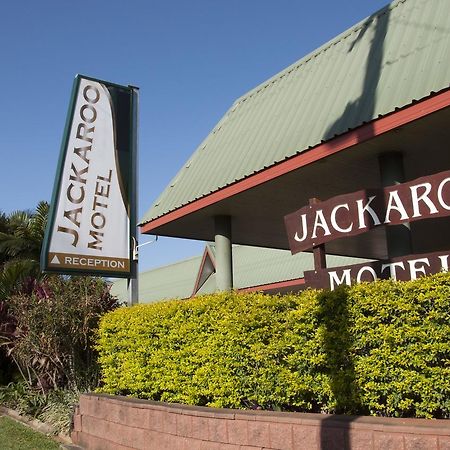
[{"x": 206, "y": 269}]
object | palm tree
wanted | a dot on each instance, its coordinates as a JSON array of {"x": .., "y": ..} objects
[{"x": 21, "y": 236}]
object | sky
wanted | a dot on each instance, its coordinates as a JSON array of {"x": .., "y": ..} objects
[{"x": 190, "y": 59}]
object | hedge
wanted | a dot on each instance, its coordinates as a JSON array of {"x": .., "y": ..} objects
[{"x": 379, "y": 348}]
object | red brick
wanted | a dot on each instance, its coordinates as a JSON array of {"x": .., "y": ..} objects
[
  {"x": 331, "y": 438},
  {"x": 110, "y": 412},
  {"x": 280, "y": 436},
  {"x": 155, "y": 420},
  {"x": 388, "y": 441},
  {"x": 75, "y": 436},
  {"x": 237, "y": 432},
  {"x": 217, "y": 430},
  {"x": 141, "y": 416},
  {"x": 305, "y": 437},
  {"x": 235, "y": 447},
  {"x": 258, "y": 433},
  {"x": 179, "y": 443},
  {"x": 208, "y": 445},
  {"x": 77, "y": 422},
  {"x": 184, "y": 425},
  {"x": 359, "y": 440},
  {"x": 138, "y": 439},
  {"x": 250, "y": 447},
  {"x": 83, "y": 404},
  {"x": 121, "y": 413},
  {"x": 95, "y": 427},
  {"x": 151, "y": 437},
  {"x": 91, "y": 442},
  {"x": 170, "y": 423},
  {"x": 155, "y": 440},
  {"x": 113, "y": 433},
  {"x": 444, "y": 442},
  {"x": 95, "y": 443},
  {"x": 166, "y": 442},
  {"x": 127, "y": 415},
  {"x": 162, "y": 441},
  {"x": 127, "y": 436},
  {"x": 200, "y": 428},
  {"x": 193, "y": 444},
  {"x": 94, "y": 408},
  {"x": 414, "y": 442}
]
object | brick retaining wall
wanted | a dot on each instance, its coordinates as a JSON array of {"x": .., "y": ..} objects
[{"x": 106, "y": 422}]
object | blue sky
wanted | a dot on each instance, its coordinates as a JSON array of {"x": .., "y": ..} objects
[{"x": 191, "y": 60}]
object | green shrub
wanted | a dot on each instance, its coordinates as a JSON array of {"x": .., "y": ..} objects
[
  {"x": 55, "y": 325},
  {"x": 54, "y": 407},
  {"x": 381, "y": 348}
]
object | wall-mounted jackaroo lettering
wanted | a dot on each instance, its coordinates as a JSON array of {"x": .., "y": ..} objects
[
  {"x": 352, "y": 214},
  {"x": 358, "y": 212}
]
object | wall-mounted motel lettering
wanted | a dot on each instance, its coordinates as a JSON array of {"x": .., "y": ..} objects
[
  {"x": 89, "y": 223},
  {"x": 352, "y": 214},
  {"x": 402, "y": 268}
]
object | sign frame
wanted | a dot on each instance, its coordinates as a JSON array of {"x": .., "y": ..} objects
[{"x": 130, "y": 174}]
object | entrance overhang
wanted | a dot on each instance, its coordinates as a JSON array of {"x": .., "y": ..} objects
[{"x": 344, "y": 164}]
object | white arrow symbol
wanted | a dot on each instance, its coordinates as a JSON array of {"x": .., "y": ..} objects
[{"x": 55, "y": 260}]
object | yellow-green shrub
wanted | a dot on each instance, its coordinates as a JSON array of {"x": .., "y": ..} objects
[
  {"x": 381, "y": 348},
  {"x": 401, "y": 346}
]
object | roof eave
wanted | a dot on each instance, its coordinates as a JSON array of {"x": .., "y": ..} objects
[{"x": 388, "y": 122}]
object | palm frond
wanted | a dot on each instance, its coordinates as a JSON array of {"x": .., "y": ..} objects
[
  {"x": 39, "y": 220},
  {"x": 21, "y": 236}
]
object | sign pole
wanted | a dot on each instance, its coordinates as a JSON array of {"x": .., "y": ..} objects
[
  {"x": 133, "y": 282},
  {"x": 398, "y": 238},
  {"x": 320, "y": 257}
]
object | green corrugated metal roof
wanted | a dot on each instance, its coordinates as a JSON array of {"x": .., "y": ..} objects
[
  {"x": 173, "y": 281},
  {"x": 385, "y": 62},
  {"x": 252, "y": 266}
]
